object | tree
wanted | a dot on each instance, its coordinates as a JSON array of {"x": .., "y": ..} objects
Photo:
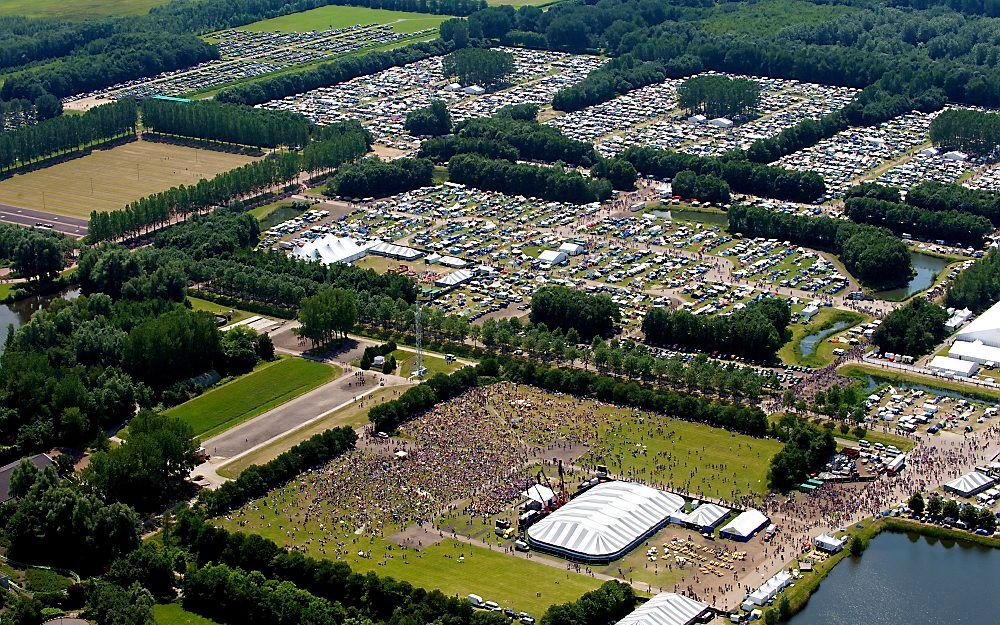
[
  {"x": 987, "y": 520},
  {"x": 455, "y": 31},
  {"x": 48, "y": 106},
  {"x": 857, "y": 546},
  {"x": 784, "y": 609},
  {"x": 969, "y": 515},
  {"x": 914, "y": 329},
  {"x": 485, "y": 67},
  {"x": 618, "y": 171},
  {"x": 934, "y": 506},
  {"x": 566, "y": 308},
  {"x": 719, "y": 96},
  {"x": 23, "y": 478},
  {"x": 111, "y": 604},
  {"x": 329, "y": 314},
  {"x": 916, "y": 504},
  {"x": 38, "y": 257},
  {"x": 950, "y": 509},
  {"x": 430, "y": 121}
]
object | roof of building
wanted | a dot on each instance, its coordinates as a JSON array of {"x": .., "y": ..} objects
[
  {"x": 39, "y": 460},
  {"x": 748, "y": 522},
  {"x": 552, "y": 256},
  {"x": 394, "y": 251},
  {"x": 707, "y": 515},
  {"x": 666, "y": 608},
  {"x": 454, "y": 278},
  {"x": 985, "y": 327},
  {"x": 954, "y": 365},
  {"x": 606, "y": 519},
  {"x": 974, "y": 350}
]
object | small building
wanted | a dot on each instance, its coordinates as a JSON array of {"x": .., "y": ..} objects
[
  {"x": 697, "y": 119},
  {"x": 721, "y": 122},
  {"x": 809, "y": 312},
  {"x": 928, "y": 152},
  {"x": 744, "y": 526},
  {"x": 391, "y": 250},
  {"x": 706, "y": 517},
  {"x": 955, "y": 155},
  {"x": 829, "y": 544},
  {"x": 953, "y": 366},
  {"x": 974, "y": 351},
  {"x": 474, "y": 90},
  {"x": 896, "y": 464},
  {"x": 958, "y": 317},
  {"x": 970, "y": 484},
  {"x": 453, "y": 279}
]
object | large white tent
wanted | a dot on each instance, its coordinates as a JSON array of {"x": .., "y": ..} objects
[
  {"x": 970, "y": 484},
  {"x": 985, "y": 328},
  {"x": 666, "y": 608},
  {"x": 331, "y": 249},
  {"x": 743, "y": 527},
  {"x": 705, "y": 517},
  {"x": 605, "y": 522}
]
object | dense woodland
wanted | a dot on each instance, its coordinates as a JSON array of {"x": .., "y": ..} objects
[
  {"x": 563, "y": 307},
  {"x": 372, "y": 177},
  {"x": 226, "y": 123},
  {"x": 914, "y": 329},
  {"x": 952, "y": 226},
  {"x": 719, "y": 96},
  {"x": 707, "y": 188},
  {"x": 978, "y": 287},
  {"x": 872, "y": 255},
  {"x": 548, "y": 183},
  {"x": 507, "y": 138},
  {"x": 975, "y": 132},
  {"x": 485, "y": 67}
]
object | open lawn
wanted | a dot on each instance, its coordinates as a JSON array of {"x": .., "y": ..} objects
[
  {"x": 331, "y": 17},
  {"x": 109, "y": 179},
  {"x": 354, "y": 415},
  {"x": 218, "y": 309},
  {"x": 77, "y": 9},
  {"x": 769, "y": 16},
  {"x": 791, "y": 353},
  {"x": 175, "y": 614},
  {"x": 269, "y": 385}
]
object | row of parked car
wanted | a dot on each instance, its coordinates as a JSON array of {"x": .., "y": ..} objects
[{"x": 492, "y": 606}]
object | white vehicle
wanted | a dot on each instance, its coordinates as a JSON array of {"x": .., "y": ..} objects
[
  {"x": 492, "y": 606},
  {"x": 475, "y": 600}
]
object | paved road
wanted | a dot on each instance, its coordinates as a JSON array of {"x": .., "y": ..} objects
[{"x": 73, "y": 226}]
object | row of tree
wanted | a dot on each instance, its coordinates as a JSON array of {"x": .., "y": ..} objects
[
  {"x": 614, "y": 78},
  {"x": 977, "y": 287},
  {"x": 873, "y": 255},
  {"x": 67, "y": 133},
  {"x": 975, "y": 132},
  {"x": 488, "y": 68},
  {"x": 914, "y": 329},
  {"x": 939, "y": 196},
  {"x": 566, "y": 308},
  {"x": 548, "y": 183},
  {"x": 508, "y": 138},
  {"x": 807, "y": 448},
  {"x": 742, "y": 175},
  {"x": 756, "y": 331},
  {"x": 373, "y": 177},
  {"x": 953, "y": 226},
  {"x": 713, "y": 95},
  {"x": 214, "y": 121},
  {"x": 707, "y": 188}
]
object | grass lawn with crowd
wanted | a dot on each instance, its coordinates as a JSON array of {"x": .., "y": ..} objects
[
  {"x": 106, "y": 180},
  {"x": 268, "y": 386},
  {"x": 333, "y": 17}
]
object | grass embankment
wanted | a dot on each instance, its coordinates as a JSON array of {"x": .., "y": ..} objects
[
  {"x": 268, "y": 386},
  {"x": 822, "y": 355},
  {"x": 895, "y": 376},
  {"x": 354, "y": 415}
]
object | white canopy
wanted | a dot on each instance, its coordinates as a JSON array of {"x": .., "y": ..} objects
[
  {"x": 745, "y": 525},
  {"x": 666, "y": 608}
]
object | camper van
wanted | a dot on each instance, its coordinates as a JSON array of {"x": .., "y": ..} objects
[{"x": 475, "y": 600}]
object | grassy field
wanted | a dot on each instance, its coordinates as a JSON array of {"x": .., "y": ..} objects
[
  {"x": 274, "y": 213},
  {"x": 76, "y": 9},
  {"x": 354, "y": 415},
  {"x": 769, "y": 16},
  {"x": 791, "y": 352},
  {"x": 408, "y": 362},
  {"x": 109, "y": 179},
  {"x": 330, "y": 17},
  {"x": 219, "y": 309},
  {"x": 267, "y": 387},
  {"x": 174, "y": 614}
]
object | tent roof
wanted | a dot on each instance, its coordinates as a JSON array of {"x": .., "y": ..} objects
[
  {"x": 746, "y": 523},
  {"x": 666, "y": 608}
]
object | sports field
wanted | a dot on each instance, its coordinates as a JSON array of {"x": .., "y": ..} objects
[
  {"x": 109, "y": 179},
  {"x": 76, "y": 9},
  {"x": 331, "y": 17},
  {"x": 267, "y": 387}
]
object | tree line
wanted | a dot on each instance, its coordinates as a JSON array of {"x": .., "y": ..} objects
[
  {"x": 873, "y": 255},
  {"x": 807, "y": 448},
  {"x": 507, "y": 138},
  {"x": 485, "y": 67},
  {"x": 977, "y": 287},
  {"x": 548, "y": 183},
  {"x": 563, "y": 307},
  {"x": 67, "y": 133},
  {"x": 373, "y": 177},
  {"x": 226, "y": 123},
  {"x": 756, "y": 331},
  {"x": 325, "y": 74},
  {"x": 954, "y": 226},
  {"x": 939, "y": 196},
  {"x": 742, "y": 175},
  {"x": 914, "y": 329},
  {"x": 707, "y": 188},
  {"x": 616, "y": 77},
  {"x": 713, "y": 95}
]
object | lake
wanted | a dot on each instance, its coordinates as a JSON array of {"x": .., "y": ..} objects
[
  {"x": 19, "y": 312},
  {"x": 911, "y": 580},
  {"x": 927, "y": 268}
]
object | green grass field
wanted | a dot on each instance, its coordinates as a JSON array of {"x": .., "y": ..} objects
[
  {"x": 354, "y": 415},
  {"x": 274, "y": 213},
  {"x": 330, "y": 17},
  {"x": 175, "y": 614},
  {"x": 791, "y": 352},
  {"x": 769, "y": 16},
  {"x": 77, "y": 9},
  {"x": 267, "y": 387},
  {"x": 109, "y": 179},
  {"x": 219, "y": 309}
]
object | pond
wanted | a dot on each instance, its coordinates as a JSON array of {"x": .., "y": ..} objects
[
  {"x": 926, "y": 268},
  {"x": 905, "y": 578},
  {"x": 19, "y": 312},
  {"x": 808, "y": 343}
]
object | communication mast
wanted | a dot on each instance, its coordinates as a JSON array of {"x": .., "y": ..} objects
[{"x": 419, "y": 369}]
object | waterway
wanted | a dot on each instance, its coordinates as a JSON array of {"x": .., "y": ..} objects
[
  {"x": 912, "y": 580},
  {"x": 18, "y": 313},
  {"x": 927, "y": 268},
  {"x": 808, "y": 343}
]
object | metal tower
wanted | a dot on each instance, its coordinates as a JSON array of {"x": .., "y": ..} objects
[{"x": 419, "y": 369}]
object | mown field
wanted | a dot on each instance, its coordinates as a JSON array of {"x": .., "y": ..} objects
[
  {"x": 267, "y": 387},
  {"x": 77, "y": 9},
  {"x": 330, "y": 17},
  {"x": 108, "y": 180}
]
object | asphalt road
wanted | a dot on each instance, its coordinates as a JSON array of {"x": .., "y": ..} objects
[{"x": 73, "y": 226}]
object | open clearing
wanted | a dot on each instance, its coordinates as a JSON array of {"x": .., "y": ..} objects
[
  {"x": 354, "y": 415},
  {"x": 175, "y": 614},
  {"x": 331, "y": 17},
  {"x": 270, "y": 385},
  {"x": 77, "y": 9},
  {"x": 107, "y": 180},
  {"x": 219, "y": 309}
]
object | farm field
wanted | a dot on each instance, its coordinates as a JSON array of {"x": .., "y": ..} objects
[
  {"x": 268, "y": 386},
  {"x": 332, "y": 17},
  {"x": 107, "y": 180},
  {"x": 354, "y": 415},
  {"x": 77, "y": 9}
]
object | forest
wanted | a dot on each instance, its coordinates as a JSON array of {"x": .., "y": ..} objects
[
  {"x": 226, "y": 123},
  {"x": 719, "y": 96},
  {"x": 486, "y": 67},
  {"x": 977, "y": 287},
  {"x": 974, "y": 132},
  {"x": 372, "y": 177},
  {"x": 565, "y": 308},
  {"x": 953, "y": 226},
  {"x": 548, "y": 183},
  {"x": 914, "y": 329}
]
